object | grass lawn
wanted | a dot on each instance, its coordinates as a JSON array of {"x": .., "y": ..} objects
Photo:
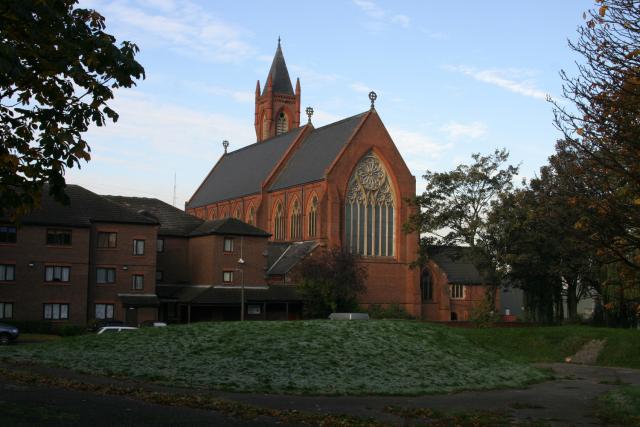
[
  {"x": 554, "y": 343},
  {"x": 315, "y": 357},
  {"x": 620, "y": 406}
]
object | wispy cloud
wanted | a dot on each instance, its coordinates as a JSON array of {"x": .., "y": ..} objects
[
  {"x": 381, "y": 17},
  {"x": 360, "y": 87},
  {"x": 236, "y": 95},
  {"x": 512, "y": 79},
  {"x": 309, "y": 75},
  {"x": 182, "y": 26},
  {"x": 457, "y": 130}
]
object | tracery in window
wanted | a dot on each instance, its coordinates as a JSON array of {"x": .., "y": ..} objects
[
  {"x": 295, "y": 221},
  {"x": 265, "y": 127},
  {"x": 369, "y": 209},
  {"x": 278, "y": 223},
  {"x": 237, "y": 214},
  {"x": 282, "y": 125},
  {"x": 251, "y": 216},
  {"x": 313, "y": 217}
]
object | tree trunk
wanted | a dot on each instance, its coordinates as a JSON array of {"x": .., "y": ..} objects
[{"x": 572, "y": 300}]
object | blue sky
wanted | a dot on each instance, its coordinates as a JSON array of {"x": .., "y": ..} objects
[{"x": 452, "y": 78}]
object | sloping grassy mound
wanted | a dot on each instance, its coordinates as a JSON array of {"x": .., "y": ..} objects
[{"x": 317, "y": 357}]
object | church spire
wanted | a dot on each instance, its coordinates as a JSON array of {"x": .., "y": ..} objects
[
  {"x": 279, "y": 74},
  {"x": 278, "y": 106}
]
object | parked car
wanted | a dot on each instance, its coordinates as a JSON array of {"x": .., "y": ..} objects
[
  {"x": 113, "y": 329},
  {"x": 8, "y": 334},
  {"x": 153, "y": 323},
  {"x": 105, "y": 322}
]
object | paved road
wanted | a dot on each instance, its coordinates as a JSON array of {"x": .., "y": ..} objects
[{"x": 568, "y": 401}]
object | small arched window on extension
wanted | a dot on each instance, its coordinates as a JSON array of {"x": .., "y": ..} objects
[
  {"x": 296, "y": 221},
  {"x": 313, "y": 217},
  {"x": 282, "y": 125},
  {"x": 278, "y": 223}
]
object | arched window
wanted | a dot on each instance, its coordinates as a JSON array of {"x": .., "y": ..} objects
[
  {"x": 282, "y": 125},
  {"x": 265, "y": 127},
  {"x": 225, "y": 213},
  {"x": 426, "y": 285},
  {"x": 278, "y": 223},
  {"x": 313, "y": 217},
  {"x": 369, "y": 209},
  {"x": 295, "y": 221},
  {"x": 211, "y": 213},
  {"x": 251, "y": 216},
  {"x": 237, "y": 214}
]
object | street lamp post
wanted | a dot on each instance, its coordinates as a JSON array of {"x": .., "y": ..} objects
[{"x": 241, "y": 264}]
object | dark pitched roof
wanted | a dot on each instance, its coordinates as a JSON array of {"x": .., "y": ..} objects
[
  {"x": 173, "y": 221},
  {"x": 279, "y": 75},
  {"x": 316, "y": 153},
  {"x": 228, "y": 226},
  {"x": 457, "y": 263},
  {"x": 85, "y": 207},
  {"x": 274, "y": 251},
  {"x": 242, "y": 172},
  {"x": 292, "y": 256},
  {"x": 230, "y": 295}
]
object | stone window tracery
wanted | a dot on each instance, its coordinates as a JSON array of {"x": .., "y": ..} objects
[
  {"x": 251, "y": 218},
  {"x": 369, "y": 209},
  {"x": 278, "y": 223},
  {"x": 282, "y": 125},
  {"x": 295, "y": 221},
  {"x": 313, "y": 217}
]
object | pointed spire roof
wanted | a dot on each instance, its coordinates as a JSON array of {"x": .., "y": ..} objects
[{"x": 279, "y": 74}]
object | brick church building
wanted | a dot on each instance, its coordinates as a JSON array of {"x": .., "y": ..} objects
[{"x": 341, "y": 185}]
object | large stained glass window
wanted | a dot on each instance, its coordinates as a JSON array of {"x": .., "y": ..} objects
[{"x": 369, "y": 209}]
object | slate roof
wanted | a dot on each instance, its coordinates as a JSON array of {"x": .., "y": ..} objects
[
  {"x": 228, "y": 295},
  {"x": 241, "y": 172},
  {"x": 456, "y": 262},
  {"x": 275, "y": 251},
  {"x": 173, "y": 221},
  {"x": 85, "y": 208},
  {"x": 292, "y": 256},
  {"x": 316, "y": 153},
  {"x": 279, "y": 75},
  {"x": 228, "y": 226}
]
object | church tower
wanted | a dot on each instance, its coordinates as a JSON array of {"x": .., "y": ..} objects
[{"x": 277, "y": 107}]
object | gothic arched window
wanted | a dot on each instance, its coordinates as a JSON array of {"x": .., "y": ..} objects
[
  {"x": 251, "y": 217},
  {"x": 313, "y": 217},
  {"x": 369, "y": 209},
  {"x": 237, "y": 214},
  {"x": 278, "y": 223},
  {"x": 282, "y": 125},
  {"x": 295, "y": 221},
  {"x": 265, "y": 127},
  {"x": 426, "y": 284}
]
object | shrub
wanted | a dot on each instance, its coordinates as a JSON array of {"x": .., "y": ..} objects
[{"x": 392, "y": 311}]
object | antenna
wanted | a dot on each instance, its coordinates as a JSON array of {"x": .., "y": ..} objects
[{"x": 174, "y": 189}]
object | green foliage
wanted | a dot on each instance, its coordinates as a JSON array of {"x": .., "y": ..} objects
[
  {"x": 391, "y": 311},
  {"x": 58, "y": 70},
  {"x": 483, "y": 313},
  {"x": 69, "y": 330},
  {"x": 315, "y": 357},
  {"x": 330, "y": 282},
  {"x": 620, "y": 406}
]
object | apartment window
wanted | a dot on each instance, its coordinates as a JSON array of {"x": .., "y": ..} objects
[
  {"x": 228, "y": 244},
  {"x": 8, "y": 234},
  {"x": 137, "y": 282},
  {"x": 57, "y": 273},
  {"x": 7, "y": 272},
  {"x": 160, "y": 245},
  {"x": 56, "y": 311},
  {"x": 107, "y": 239},
  {"x": 457, "y": 291},
  {"x": 138, "y": 247},
  {"x": 227, "y": 276},
  {"x": 104, "y": 311},
  {"x": 159, "y": 276},
  {"x": 58, "y": 237},
  {"x": 105, "y": 275},
  {"x": 6, "y": 310}
]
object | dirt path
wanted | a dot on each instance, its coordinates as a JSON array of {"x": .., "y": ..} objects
[{"x": 567, "y": 401}]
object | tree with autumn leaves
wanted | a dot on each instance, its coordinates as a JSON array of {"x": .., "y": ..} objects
[{"x": 58, "y": 71}]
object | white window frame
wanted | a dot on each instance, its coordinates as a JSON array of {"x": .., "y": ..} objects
[
  {"x": 105, "y": 311},
  {"x": 227, "y": 274},
  {"x": 227, "y": 245},
  {"x": 106, "y": 271},
  {"x": 138, "y": 247},
  {"x": 137, "y": 282},
  {"x": 160, "y": 245},
  {"x": 56, "y": 311},
  {"x": 7, "y": 272},
  {"x": 6, "y": 310},
  {"x": 457, "y": 291},
  {"x": 57, "y": 273}
]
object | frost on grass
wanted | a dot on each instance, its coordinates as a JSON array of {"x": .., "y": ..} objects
[{"x": 317, "y": 357}]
